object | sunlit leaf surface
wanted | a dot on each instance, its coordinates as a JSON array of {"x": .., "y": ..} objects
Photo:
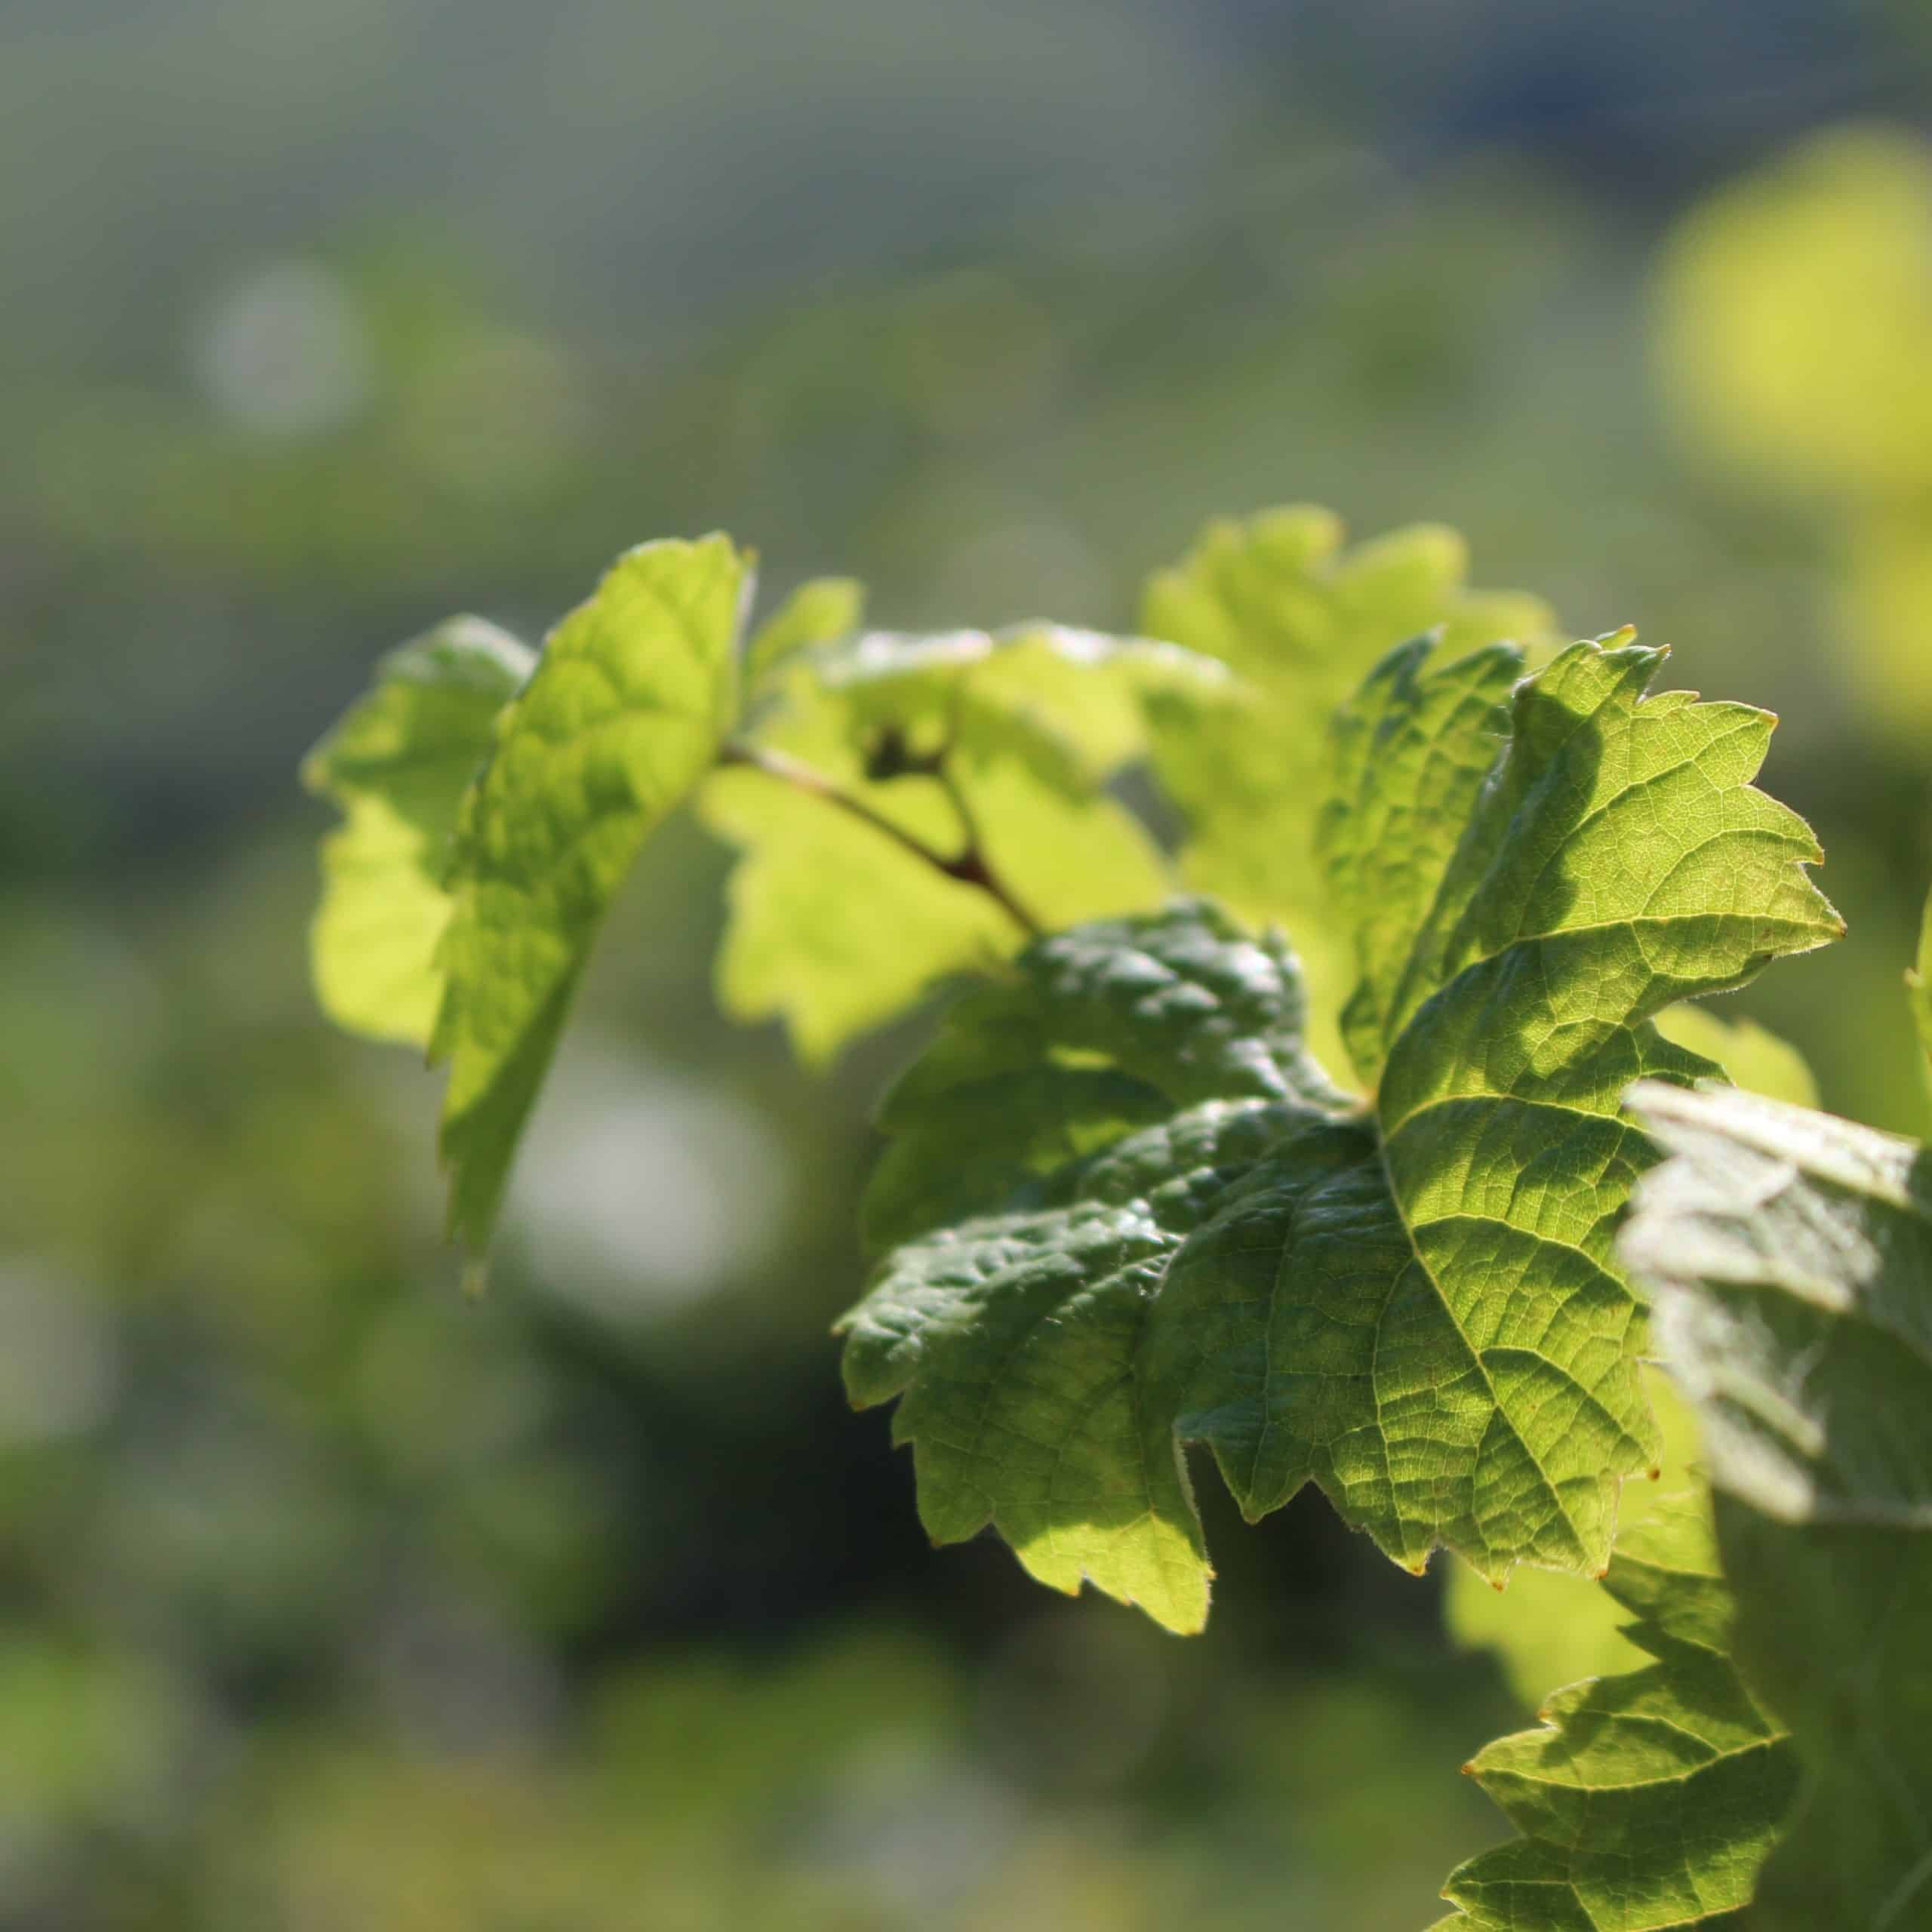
[
  {"x": 1550, "y": 1628},
  {"x": 836, "y": 928},
  {"x": 625, "y": 712},
  {"x": 397, "y": 764},
  {"x": 1648, "y": 1802}
]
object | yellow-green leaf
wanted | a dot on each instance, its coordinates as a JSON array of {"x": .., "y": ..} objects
[
  {"x": 625, "y": 712},
  {"x": 1301, "y": 620},
  {"x": 398, "y": 765},
  {"x": 1005, "y": 739},
  {"x": 820, "y": 611}
]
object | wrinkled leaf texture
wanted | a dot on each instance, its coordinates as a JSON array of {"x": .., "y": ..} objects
[{"x": 1125, "y": 1209}]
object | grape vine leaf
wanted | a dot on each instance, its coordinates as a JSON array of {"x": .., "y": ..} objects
[
  {"x": 1791, "y": 1255},
  {"x": 397, "y": 764},
  {"x": 1076, "y": 701},
  {"x": 1300, "y": 619},
  {"x": 633, "y": 695},
  {"x": 1014, "y": 1339},
  {"x": 1550, "y": 1627},
  {"x": 820, "y": 610},
  {"x": 1649, "y": 1800},
  {"x": 1749, "y": 1055},
  {"x": 834, "y": 927},
  {"x": 1186, "y": 1232}
]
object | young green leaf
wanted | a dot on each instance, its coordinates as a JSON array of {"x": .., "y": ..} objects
[
  {"x": 1410, "y": 753},
  {"x": 1791, "y": 1254},
  {"x": 625, "y": 712},
  {"x": 398, "y": 765},
  {"x": 817, "y": 612},
  {"x": 1300, "y": 619},
  {"x": 1275, "y": 594},
  {"x": 1749, "y": 1055},
  {"x": 1080, "y": 700},
  {"x": 1003, "y": 741},
  {"x": 1414, "y": 1305},
  {"x": 836, "y": 928},
  {"x": 1648, "y": 1800}
]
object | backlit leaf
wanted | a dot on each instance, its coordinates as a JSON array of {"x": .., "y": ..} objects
[
  {"x": 1550, "y": 1628},
  {"x": 1301, "y": 620},
  {"x": 1553, "y": 1627},
  {"x": 1649, "y": 1800},
  {"x": 625, "y": 712},
  {"x": 397, "y": 764},
  {"x": 834, "y": 927},
  {"x": 817, "y": 612}
]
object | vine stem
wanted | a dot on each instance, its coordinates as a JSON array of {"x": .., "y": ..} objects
[{"x": 969, "y": 866}]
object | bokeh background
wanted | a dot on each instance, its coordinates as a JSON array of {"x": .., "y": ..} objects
[{"x": 328, "y": 1600}]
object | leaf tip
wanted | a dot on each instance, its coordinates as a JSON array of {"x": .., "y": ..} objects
[{"x": 1188, "y": 1624}]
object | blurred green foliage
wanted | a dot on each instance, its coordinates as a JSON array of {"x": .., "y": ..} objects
[
  {"x": 327, "y": 1598},
  {"x": 1795, "y": 340}
]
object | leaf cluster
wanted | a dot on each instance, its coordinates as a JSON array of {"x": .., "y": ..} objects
[{"x": 1154, "y": 1182}]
